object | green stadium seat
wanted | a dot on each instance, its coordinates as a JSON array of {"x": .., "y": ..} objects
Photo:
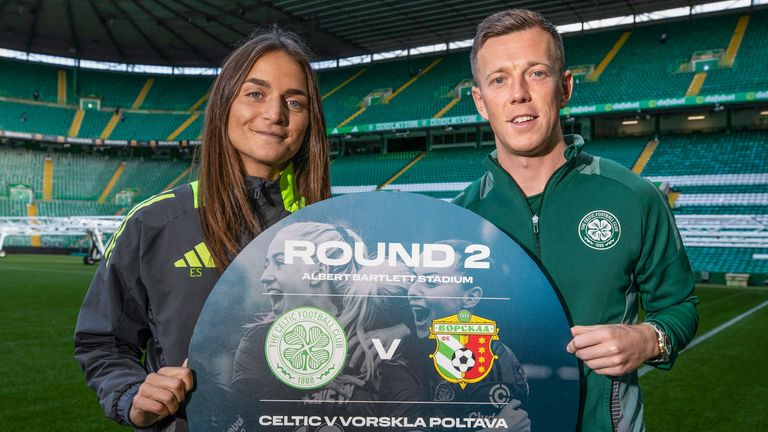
[
  {"x": 727, "y": 260},
  {"x": 369, "y": 171},
  {"x": 715, "y": 153},
  {"x": 35, "y": 118},
  {"x": 81, "y": 177},
  {"x": 147, "y": 177},
  {"x": 622, "y": 150},
  {"x": 19, "y": 166}
]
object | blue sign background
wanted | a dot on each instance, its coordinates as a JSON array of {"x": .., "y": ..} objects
[{"x": 517, "y": 295}]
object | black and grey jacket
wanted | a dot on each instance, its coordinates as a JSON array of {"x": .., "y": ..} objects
[{"x": 145, "y": 298}]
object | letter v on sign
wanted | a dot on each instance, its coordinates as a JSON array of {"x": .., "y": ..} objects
[{"x": 386, "y": 354}]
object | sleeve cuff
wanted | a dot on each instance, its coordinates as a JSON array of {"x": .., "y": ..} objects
[{"x": 124, "y": 405}]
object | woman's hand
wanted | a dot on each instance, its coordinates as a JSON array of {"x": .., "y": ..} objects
[{"x": 160, "y": 395}]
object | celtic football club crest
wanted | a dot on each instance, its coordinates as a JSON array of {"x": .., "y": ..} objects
[
  {"x": 306, "y": 348},
  {"x": 463, "y": 354},
  {"x": 599, "y": 230}
]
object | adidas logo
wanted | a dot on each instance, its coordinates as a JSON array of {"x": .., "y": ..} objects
[{"x": 195, "y": 260}]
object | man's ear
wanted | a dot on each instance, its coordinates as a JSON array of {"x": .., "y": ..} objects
[
  {"x": 321, "y": 269},
  {"x": 472, "y": 297},
  {"x": 477, "y": 96},
  {"x": 566, "y": 90}
]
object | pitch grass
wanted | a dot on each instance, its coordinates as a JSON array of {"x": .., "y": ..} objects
[{"x": 719, "y": 385}]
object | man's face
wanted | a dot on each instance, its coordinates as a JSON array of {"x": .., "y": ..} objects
[
  {"x": 520, "y": 91},
  {"x": 431, "y": 300}
]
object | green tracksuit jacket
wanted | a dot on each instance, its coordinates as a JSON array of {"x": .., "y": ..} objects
[{"x": 608, "y": 240}]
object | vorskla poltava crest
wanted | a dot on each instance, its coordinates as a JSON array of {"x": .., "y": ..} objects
[{"x": 463, "y": 354}]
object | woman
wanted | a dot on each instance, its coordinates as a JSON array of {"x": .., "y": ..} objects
[{"x": 264, "y": 156}]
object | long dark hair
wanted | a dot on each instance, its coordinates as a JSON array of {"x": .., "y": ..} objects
[{"x": 225, "y": 211}]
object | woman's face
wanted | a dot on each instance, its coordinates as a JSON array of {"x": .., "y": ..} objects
[
  {"x": 291, "y": 285},
  {"x": 270, "y": 115}
]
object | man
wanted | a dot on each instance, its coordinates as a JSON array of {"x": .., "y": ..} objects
[
  {"x": 432, "y": 300},
  {"x": 606, "y": 237}
]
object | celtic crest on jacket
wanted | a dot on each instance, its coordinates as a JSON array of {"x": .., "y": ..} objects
[
  {"x": 600, "y": 230},
  {"x": 463, "y": 352}
]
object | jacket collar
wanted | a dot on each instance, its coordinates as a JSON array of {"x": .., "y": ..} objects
[
  {"x": 574, "y": 144},
  {"x": 573, "y": 158}
]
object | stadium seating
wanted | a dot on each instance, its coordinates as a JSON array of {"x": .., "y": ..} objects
[
  {"x": 116, "y": 90},
  {"x": 724, "y": 189},
  {"x": 62, "y": 208},
  {"x": 622, "y": 150},
  {"x": 81, "y": 177},
  {"x": 19, "y": 166},
  {"x": 642, "y": 59},
  {"x": 446, "y": 166},
  {"x": 176, "y": 92},
  {"x": 713, "y": 173},
  {"x": 717, "y": 153},
  {"x": 378, "y": 76},
  {"x": 366, "y": 172},
  {"x": 93, "y": 123},
  {"x": 154, "y": 126},
  {"x": 147, "y": 177},
  {"x": 735, "y": 260},
  {"x": 748, "y": 71},
  {"x": 10, "y": 207},
  {"x": 35, "y": 118},
  {"x": 21, "y": 79},
  {"x": 721, "y": 209},
  {"x": 426, "y": 96}
]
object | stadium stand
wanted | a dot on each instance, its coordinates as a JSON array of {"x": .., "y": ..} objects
[
  {"x": 446, "y": 166},
  {"x": 21, "y": 79},
  {"x": 11, "y": 207},
  {"x": 644, "y": 59},
  {"x": 622, "y": 150},
  {"x": 740, "y": 152},
  {"x": 425, "y": 96},
  {"x": 176, "y": 93},
  {"x": 19, "y": 166},
  {"x": 378, "y": 81},
  {"x": 748, "y": 71},
  {"x": 147, "y": 177},
  {"x": 709, "y": 173},
  {"x": 728, "y": 260},
  {"x": 151, "y": 126},
  {"x": 80, "y": 177},
  {"x": 360, "y": 173},
  {"x": 93, "y": 123},
  {"x": 116, "y": 90},
  {"x": 61, "y": 208},
  {"x": 630, "y": 61},
  {"x": 35, "y": 118}
]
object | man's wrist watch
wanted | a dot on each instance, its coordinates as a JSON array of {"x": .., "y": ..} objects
[{"x": 665, "y": 345}]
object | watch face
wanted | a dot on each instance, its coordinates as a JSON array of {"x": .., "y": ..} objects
[{"x": 667, "y": 351}]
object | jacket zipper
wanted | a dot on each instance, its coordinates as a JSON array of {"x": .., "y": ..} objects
[
  {"x": 536, "y": 237},
  {"x": 535, "y": 219}
]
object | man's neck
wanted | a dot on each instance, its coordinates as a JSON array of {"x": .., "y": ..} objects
[{"x": 531, "y": 173}]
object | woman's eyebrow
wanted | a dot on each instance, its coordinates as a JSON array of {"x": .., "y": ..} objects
[
  {"x": 266, "y": 84},
  {"x": 295, "y": 91},
  {"x": 258, "y": 81}
]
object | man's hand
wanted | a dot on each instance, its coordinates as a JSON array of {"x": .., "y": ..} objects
[
  {"x": 160, "y": 395},
  {"x": 614, "y": 349}
]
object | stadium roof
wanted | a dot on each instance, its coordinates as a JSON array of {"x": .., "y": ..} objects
[{"x": 203, "y": 32}]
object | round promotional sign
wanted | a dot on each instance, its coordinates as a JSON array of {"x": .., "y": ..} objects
[{"x": 383, "y": 312}]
